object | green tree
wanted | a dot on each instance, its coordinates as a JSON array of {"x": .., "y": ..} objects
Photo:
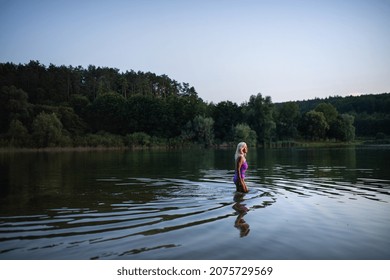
[
  {"x": 287, "y": 121},
  {"x": 242, "y": 132},
  {"x": 47, "y": 130},
  {"x": 342, "y": 128},
  {"x": 203, "y": 128},
  {"x": 147, "y": 114},
  {"x": 176, "y": 115},
  {"x": 349, "y": 129},
  {"x": 71, "y": 121},
  {"x": 314, "y": 125},
  {"x": 199, "y": 130},
  {"x": 107, "y": 113},
  {"x": 226, "y": 115},
  {"x": 259, "y": 115},
  {"x": 79, "y": 104},
  {"x": 13, "y": 105},
  {"x": 31, "y": 79},
  {"x": 18, "y": 134},
  {"x": 329, "y": 111}
]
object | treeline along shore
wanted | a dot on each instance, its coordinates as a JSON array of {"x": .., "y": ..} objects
[{"x": 65, "y": 106}]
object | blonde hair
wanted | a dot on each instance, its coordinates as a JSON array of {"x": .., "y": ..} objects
[{"x": 238, "y": 150}]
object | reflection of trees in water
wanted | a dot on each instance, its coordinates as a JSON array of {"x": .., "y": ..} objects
[{"x": 311, "y": 162}]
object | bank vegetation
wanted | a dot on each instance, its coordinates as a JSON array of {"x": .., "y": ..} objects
[{"x": 65, "y": 106}]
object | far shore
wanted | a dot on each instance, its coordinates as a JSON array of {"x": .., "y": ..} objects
[{"x": 273, "y": 145}]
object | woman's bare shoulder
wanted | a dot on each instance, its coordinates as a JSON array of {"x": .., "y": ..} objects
[{"x": 240, "y": 158}]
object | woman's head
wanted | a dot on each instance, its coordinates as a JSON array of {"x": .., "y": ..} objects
[{"x": 242, "y": 149}]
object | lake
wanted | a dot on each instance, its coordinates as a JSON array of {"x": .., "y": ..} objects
[{"x": 303, "y": 203}]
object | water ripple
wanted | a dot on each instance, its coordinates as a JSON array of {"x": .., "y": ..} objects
[{"x": 144, "y": 211}]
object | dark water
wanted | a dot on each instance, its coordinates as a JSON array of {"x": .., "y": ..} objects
[{"x": 302, "y": 204}]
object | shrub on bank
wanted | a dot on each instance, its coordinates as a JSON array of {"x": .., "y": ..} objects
[{"x": 143, "y": 140}]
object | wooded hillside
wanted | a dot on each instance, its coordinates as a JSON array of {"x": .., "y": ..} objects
[{"x": 50, "y": 106}]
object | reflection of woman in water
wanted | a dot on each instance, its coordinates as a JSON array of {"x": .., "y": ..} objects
[
  {"x": 240, "y": 167},
  {"x": 240, "y": 223}
]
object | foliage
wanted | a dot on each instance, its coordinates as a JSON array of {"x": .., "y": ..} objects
[
  {"x": 288, "y": 117},
  {"x": 18, "y": 134},
  {"x": 106, "y": 113},
  {"x": 47, "y": 130},
  {"x": 329, "y": 111},
  {"x": 140, "y": 139},
  {"x": 259, "y": 116},
  {"x": 371, "y": 111},
  {"x": 226, "y": 116},
  {"x": 200, "y": 130},
  {"x": 342, "y": 128},
  {"x": 242, "y": 132},
  {"x": 103, "y": 139},
  {"x": 314, "y": 125},
  {"x": 101, "y": 107},
  {"x": 13, "y": 105}
]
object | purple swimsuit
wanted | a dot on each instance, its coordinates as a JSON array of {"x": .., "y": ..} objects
[{"x": 243, "y": 168}]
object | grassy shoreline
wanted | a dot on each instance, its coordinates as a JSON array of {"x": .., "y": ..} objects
[{"x": 273, "y": 145}]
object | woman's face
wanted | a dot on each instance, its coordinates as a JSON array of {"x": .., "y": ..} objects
[{"x": 244, "y": 149}]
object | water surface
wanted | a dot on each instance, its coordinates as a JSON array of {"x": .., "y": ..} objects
[{"x": 302, "y": 204}]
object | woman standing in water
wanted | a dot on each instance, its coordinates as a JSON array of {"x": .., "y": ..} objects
[{"x": 240, "y": 167}]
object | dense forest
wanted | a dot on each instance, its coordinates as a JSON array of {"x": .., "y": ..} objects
[{"x": 66, "y": 106}]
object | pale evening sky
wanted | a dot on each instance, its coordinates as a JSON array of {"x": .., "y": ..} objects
[{"x": 227, "y": 50}]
